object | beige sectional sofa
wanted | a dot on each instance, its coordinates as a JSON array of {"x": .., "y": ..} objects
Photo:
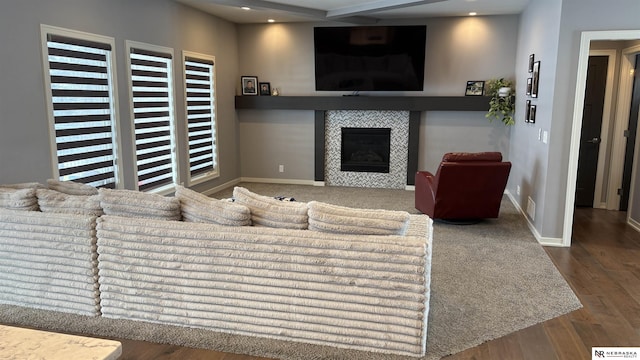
[{"x": 308, "y": 272}]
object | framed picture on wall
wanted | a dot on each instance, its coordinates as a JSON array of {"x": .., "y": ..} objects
[
  {"x": 535, "y": 82},
  {"x": 532, "y": 114},
  {"x": 531, "y": 60},
  {"x": 474, "y": 88},
  {"x": 249, "y": 85},
  {"x": 527, "y": 110},
  {"x": 529, "y": 84}
]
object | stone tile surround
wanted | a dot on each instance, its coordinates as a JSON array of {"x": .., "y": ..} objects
[{"x": 397, "y": 121}]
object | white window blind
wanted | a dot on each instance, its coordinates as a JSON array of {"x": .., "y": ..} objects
[
  {"x": 152, "y": 103},
  {"x": 80, "y": 80},
  {"x": 201, "y": 116}
]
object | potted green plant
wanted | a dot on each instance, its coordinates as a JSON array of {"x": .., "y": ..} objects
[{"x": 501, "y": 104}]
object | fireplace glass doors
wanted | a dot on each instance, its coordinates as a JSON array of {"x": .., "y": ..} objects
[{"x": 365, "y": 149}]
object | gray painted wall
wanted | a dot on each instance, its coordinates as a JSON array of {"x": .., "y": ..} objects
[
  {"x": 458, "y": 49},
  {"x": 24, "y": 136},
  {"x": 538, "y": 35}
]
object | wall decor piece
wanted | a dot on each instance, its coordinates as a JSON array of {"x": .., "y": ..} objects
[
  {"x": 265, "y": 89},
  {"x": 527, "y": 111},
  {"x": 249, "y": 85},
  {"x": 536, "y": 79},
  {"x": 474, "y": 88},
  {"x": 531, "y": 60},
  {"x": 529, "y": 84},
  {"x": 532, "y": 114}
]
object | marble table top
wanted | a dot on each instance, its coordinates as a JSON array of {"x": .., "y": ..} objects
[{"x": 27, "y": 344}]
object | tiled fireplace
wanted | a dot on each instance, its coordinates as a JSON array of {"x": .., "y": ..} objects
[{"x": 336, "y": 121}]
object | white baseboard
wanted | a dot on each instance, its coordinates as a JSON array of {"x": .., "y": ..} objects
[
  {"x": 221, "y": 187},
  {"x": 544, "y": 241},
  {"x": 410, "y": 187},
  {"x": 278, "y": 181}
]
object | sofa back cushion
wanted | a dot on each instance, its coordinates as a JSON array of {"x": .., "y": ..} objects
[
  {"x": 18, "y": 199},
  {"x": 196, "y": 207},
  {"x": 139, "y": 204},
  {"x": 267, "y": 211},
  {"x": 71, "y": 188},
  {"x": 57, "y": 202},
  {"x": 339, "y": 219}
]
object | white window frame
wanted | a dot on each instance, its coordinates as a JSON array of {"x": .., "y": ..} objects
[
  {"x": 113, "y": 98},
  {"x": 168, "y": 188},
  {"x": 215, "y": 172}
]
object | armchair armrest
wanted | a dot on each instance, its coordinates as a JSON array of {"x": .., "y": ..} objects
[{"x": 425, "y": 192}]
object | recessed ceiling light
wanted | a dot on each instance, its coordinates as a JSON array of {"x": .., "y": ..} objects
[
  {"x": 473, "y": 13},
  {"x": 245, "y": 8},
  {"x": 271, "y": 20}
]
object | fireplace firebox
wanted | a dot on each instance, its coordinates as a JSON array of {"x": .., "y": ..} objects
[{"x": 365, "y": 149}]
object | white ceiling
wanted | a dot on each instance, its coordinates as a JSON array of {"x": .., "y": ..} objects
[{"x": 356, "y": 12}]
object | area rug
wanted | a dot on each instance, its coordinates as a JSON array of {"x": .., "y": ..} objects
[{"x": 488, "y": 280}]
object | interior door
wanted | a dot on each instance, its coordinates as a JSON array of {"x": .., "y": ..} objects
[
  {"x": 591, "y": 130},
  {"x": 631, "y": 138}
]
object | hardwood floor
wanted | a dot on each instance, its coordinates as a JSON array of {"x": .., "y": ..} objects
[{"x": 603, "y": 268}]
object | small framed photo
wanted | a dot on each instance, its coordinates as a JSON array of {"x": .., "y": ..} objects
[
  {"x": 527, "y": 111},
  {"x": 265, "y": 89},
  {"x": 474, "y": 88},
  {"x": 249, "y": 85},
  {"x": 531, "y": 60},
  {"x": 529, "y": 84},
  {"x": 532, "y": 114},
  {"x": 536, "y": 79}
]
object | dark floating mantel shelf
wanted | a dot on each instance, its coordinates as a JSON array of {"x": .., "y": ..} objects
[{"x": 362, "y": 102}]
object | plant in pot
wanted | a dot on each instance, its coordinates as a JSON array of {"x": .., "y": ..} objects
[{"x": 501, "y": 104}]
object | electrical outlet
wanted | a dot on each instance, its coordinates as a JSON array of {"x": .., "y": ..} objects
[
  {"x": 517, "y": 189},
  {"x": 545, "y": 136},
  {"x": 281, "y": 168},
  {"x": 531, "y": 208}
]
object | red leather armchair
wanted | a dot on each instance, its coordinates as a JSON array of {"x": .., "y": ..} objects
[{"x": 466, "y": 186}]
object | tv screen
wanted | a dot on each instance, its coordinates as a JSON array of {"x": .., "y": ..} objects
[{"x": 370, "y": 58}]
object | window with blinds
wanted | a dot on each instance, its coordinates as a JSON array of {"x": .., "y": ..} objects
[
  {"x": 78, "y": 72},
  {"x": 152, "y": 107},
  {"x": 199, "y": 77}
]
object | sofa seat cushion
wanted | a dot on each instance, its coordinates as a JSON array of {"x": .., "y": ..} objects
[
  {"x": 270, "y": 212},
  {"x": 139, "y": 204},
  {"x": 196, "y": 207},
  {"x": 345, "y": 220}
]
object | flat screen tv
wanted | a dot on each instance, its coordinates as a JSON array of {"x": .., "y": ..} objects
[{"x": 370, "y": 58}]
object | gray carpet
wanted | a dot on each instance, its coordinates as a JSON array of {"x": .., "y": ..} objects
[{"x": 488, "y": 280}]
